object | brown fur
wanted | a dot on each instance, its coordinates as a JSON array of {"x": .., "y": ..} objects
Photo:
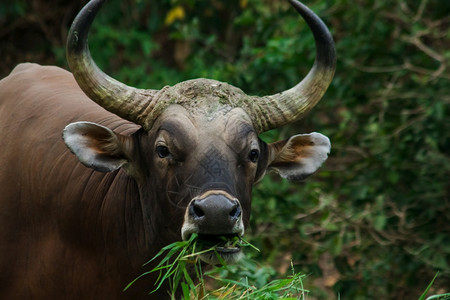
[{"x": 65, "y": 233}]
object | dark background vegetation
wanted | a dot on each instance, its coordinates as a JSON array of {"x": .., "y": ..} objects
[{"x": 374, "y": 222}]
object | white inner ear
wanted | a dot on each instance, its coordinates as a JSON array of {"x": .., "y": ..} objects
[
  {"x": 96, "y": 146},
  {"x": 317, "y": 153},
  {"x": 302, "y": 155}
]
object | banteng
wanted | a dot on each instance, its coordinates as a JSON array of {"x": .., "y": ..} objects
[{"x": 149, "y": 167}]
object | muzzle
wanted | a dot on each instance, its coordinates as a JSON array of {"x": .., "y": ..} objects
[{"x": 216, "y": 217}]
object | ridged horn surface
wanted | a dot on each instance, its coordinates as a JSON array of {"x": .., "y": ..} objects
[
  {"x": 274, "y": 111},
  {"x": 125, "y": 101}
]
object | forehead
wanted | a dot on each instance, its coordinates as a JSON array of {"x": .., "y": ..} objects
[{"x": 229, "y": 122}]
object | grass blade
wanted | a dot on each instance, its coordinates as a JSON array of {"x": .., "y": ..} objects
[{"x": 422, "y": 297}]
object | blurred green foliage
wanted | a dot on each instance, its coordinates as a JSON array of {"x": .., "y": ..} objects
[{"x": 375, "y": 221}]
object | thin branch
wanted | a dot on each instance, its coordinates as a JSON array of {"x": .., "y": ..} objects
[
  {"x": 420, "y": 11},
  {"x": 379, "y": 69},
  {"x": 434, "y": 74},
  {"x": 408, "y": 124},
  {"x": 427, "y": 50}
]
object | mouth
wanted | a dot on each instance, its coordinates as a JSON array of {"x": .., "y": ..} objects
[{"x": 220, "y": 249}]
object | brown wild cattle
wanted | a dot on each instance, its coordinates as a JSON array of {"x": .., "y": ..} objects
[{"x": 149, "y": 167}]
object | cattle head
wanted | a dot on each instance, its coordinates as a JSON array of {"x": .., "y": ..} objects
[{"x": 198, "y": 153}]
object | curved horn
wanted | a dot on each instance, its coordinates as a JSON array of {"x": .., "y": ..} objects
[
  {"x": 274, "y": 111},
  {"x": 127, "y": 102}
]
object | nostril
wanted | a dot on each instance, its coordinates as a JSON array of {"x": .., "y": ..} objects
[
  {"x": 196, "y": 211},
  {"x": 235, "y": 212}
]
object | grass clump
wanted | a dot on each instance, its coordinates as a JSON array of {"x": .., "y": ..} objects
[
  {"x": 181, "y": 267},
  {"x": 173, "y": 267},
  {"x": 247, "y": 286}
]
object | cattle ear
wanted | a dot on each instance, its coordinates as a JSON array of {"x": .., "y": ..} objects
[
  {"x": 299, "y": 156},
  {"x": 96, "y": 146}
]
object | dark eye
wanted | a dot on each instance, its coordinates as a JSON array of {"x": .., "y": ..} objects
[
  {"x": 254, "y": 155},
  {"x": 162, "y": 151}
]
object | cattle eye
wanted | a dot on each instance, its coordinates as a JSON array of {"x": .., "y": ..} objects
[
  {"x": 254, "y": 155},
  {"x": 162, "y": 151}
]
